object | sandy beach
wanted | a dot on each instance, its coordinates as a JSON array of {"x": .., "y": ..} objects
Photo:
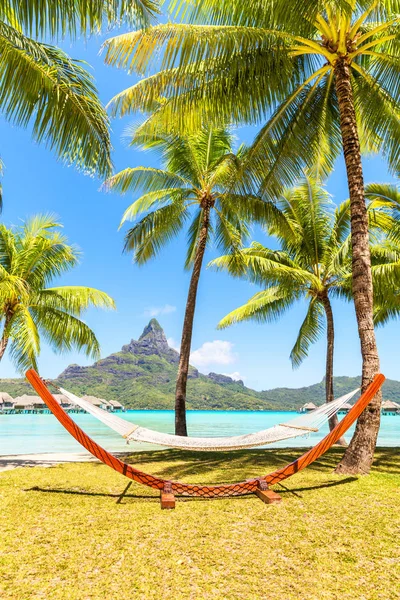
[{"x": 47, "y": 459}]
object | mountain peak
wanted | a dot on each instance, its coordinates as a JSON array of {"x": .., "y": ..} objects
[
  {"x": 154, "y": 329},
  {"x": 152, "y": 341}
]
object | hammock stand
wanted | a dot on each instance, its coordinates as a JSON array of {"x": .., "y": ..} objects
[{"x": 168, "y": 489}]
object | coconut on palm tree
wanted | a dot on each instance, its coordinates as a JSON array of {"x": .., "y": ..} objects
[
  {"x": 43, "y": 87},
  {"x": 322, "y": 76},
  {"x": 31, "y": 257},
  {"x": 193, "y": 190}
]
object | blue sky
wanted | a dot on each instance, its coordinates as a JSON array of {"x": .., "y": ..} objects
[{"x": 35, "y": 182}]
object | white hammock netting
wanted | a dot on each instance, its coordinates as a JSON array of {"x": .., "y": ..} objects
[{"x": 298, "y": 426}]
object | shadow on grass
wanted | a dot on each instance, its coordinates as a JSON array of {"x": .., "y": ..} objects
[
  {"x": 152, "y": 498},
  {"x": 184, "y": 465},
  {"x": 329, "y": 484}
]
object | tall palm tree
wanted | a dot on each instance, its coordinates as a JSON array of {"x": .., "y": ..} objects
[
  {"x": 193, "y": 188},
  {"x": 314, "y": 264},
  {"x": 31, "y": 257},
  {"x": 321, "y": 75},
  {"x": 43, "y": 87}
]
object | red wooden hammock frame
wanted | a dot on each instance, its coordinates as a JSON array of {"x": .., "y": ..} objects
[{"x": 168, "y": 488}]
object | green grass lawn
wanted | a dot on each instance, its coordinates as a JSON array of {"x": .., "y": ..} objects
[{"x": 70, "y": 532}]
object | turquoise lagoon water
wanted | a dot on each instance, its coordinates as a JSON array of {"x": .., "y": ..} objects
[{"x": 25, "y": 434}]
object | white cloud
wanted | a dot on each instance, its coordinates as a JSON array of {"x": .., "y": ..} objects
[
  {"x": 173, "y": 344},
  {"x": 155, "y": 311},
  {"x": 217, "y": 352},
  {"x": 236, "y": 376}
]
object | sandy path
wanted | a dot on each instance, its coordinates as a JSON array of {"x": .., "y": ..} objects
[{"x": 12, "y": 461}]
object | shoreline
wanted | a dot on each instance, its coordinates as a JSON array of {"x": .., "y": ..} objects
[
  {"x": 46, "y": 459},
  {"x": 9, "y": 462}
]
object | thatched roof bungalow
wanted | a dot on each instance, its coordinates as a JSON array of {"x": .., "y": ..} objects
[
  {"x": 116, "y": 405},
  {"x": 308, "y": 407},
  {"x": 388, "y": 406},
  {"x": 26, "y": 402},
  {"x": 6, "y": 401},
  {"x": 98, "y": 402},
  {"x": 63, "y": 401}
]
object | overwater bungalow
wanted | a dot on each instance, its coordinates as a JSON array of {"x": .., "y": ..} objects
[
  {"x": 308, "y": 407},
  {"x": 6, "y": 402},
  {"x": 100, "y": 402},
  {"x": 63, "y": 401},
  {"x": 29, "y": 404},
  {"x": 390, "y": 408},
  {"x": 116, "y": 406}
]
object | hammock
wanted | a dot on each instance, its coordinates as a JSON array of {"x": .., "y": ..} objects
[
  {"x": 168, "y": 488},
  {"x": 298, "y": 426}
]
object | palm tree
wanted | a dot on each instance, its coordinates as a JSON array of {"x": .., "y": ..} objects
[
  {"x": 193, "y": 186},
  {"x": 31, "y": 257},
  {"x": 314, "y": 265},
  {"x": 43, "y": 87},
  {"x": 322, "y": 76}
]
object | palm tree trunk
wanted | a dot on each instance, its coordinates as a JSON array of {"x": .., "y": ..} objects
[
  {"x": 359, "y": 455},
  {"x": 330, "y": 345},
  {"x": 4, "y": 338},
  {"x": 186, "y": 342},
  {"x": 3, "y": 346}
]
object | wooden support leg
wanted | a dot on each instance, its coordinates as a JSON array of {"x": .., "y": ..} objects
[
  {"x": 167, "y": 497},
  {"x": 266, "y": 495}
]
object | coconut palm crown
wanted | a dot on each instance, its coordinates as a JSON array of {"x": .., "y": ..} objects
[
  {"x": 245, "y": 63},
  {"x": 31, "y": 257}
]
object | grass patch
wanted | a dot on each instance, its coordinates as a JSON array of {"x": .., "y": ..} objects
[{"x": 70, "y": 532}]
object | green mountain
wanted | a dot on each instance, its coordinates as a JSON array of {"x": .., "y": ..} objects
[{"x": 142, "y": 376}]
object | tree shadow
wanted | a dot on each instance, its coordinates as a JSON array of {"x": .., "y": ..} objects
[
  {"x": 120, "y": 497},
  {"x": 328, "y": 484},
  {"x": 132, "y": 497}
]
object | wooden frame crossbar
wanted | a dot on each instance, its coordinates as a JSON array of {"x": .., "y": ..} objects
[{"x": 170, "y": 488}]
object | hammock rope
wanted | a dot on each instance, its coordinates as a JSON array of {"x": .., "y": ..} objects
[{"x": 299, "y": 426}]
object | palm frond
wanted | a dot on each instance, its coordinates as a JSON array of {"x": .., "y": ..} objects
[
  {"x": 65, "y": 332},
  {"x": 380, "y": 116},
  {"x": 24, "y": 340},
  {"x": 11, "y": 287},
  {"x": 54, "y": 18},
  {"x": 147, "y": 178},
  {"x": 383, "y": 195},
  {"x": 230, "y": 231},
  {"x": 153, "y": 201},
  {"x": 7, "y": 247},
  {"x": 291, "y": 139},
  {"x": 263, "y": 266},
  {"x": 156, "y": 229},
  {"x": 253, "y": 13},
  {"x": 74, "y": 299},
  {"x": 184, "y": 44},
  {"x": 42, "y": 87},
  {"x": 264, "y": 307}
]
